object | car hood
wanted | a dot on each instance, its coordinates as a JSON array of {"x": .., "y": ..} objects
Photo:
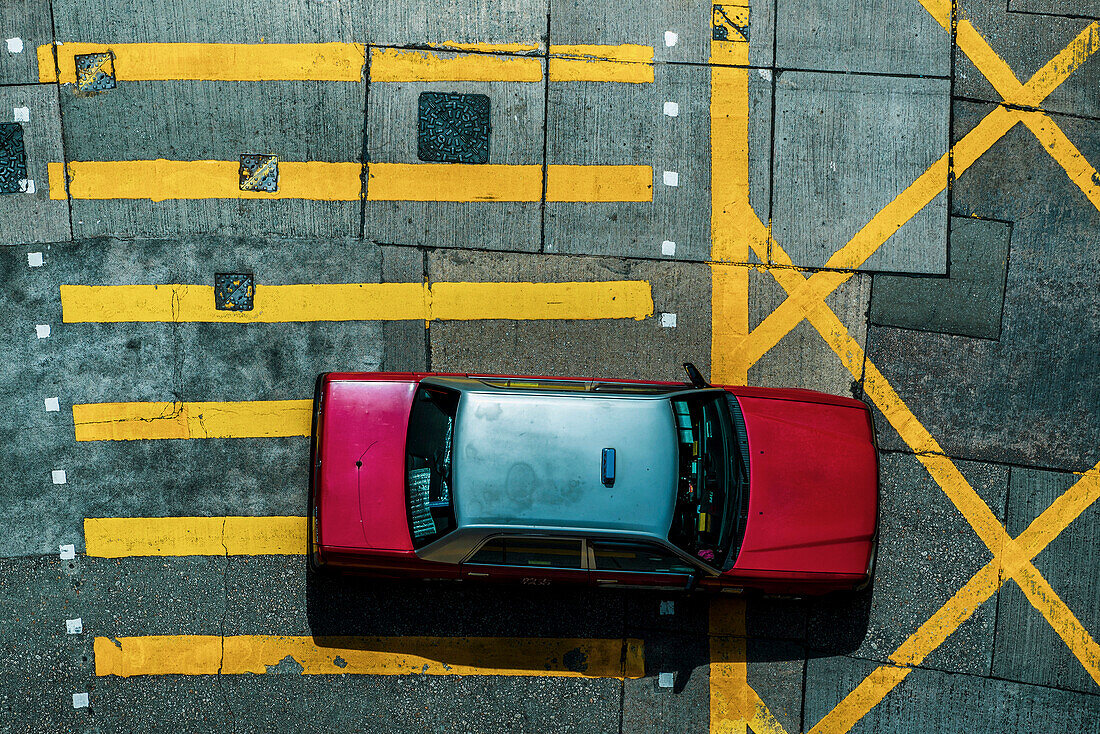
[
  {"x": 364, "y": 506},
  {"x": 813, "y": 487}
]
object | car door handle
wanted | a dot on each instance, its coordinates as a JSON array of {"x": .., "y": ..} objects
[
  {"x": 607, "y": 581},
  {"x": 475, "y": 573}
]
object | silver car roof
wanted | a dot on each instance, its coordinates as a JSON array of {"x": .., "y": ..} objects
[{"x": 532, "y": 459}]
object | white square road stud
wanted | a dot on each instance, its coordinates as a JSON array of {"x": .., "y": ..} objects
[
  {"x": 52, "y": 405},
  {"x": 671, "y": 38},
  {"x": 21, "y": 114},
  {"x": 80, "y": 700},
  {"x": 671, "y": 178},
  {"x": 34, "y": 259},
  {"x": 665, "y": 680},
  {"x": 26, "y": 185},
  {"x": 42, "y": 330},
  {"x": 672, "y": 109},
  {"x": 68, "y": 552},
  {"x": 668, "y": 247},
  {"x": 74, "y": 626},
  {"x": 15, "y": 45},
  {"x": 58, "y": 476},
  {"x": 668, "y": 320},
  {"x": 668, "y": 607}
]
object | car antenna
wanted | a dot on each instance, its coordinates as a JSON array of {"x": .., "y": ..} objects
[{"x": 695, "y": 375}]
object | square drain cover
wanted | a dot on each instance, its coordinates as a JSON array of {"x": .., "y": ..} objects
[
  {"x": 95, "y": 72},
  {"x": 259, "y": 173},
  {"x": 453, "y": 127},
  {"x": 13, "y": 158},
  {"x": 233, "y": 291}
]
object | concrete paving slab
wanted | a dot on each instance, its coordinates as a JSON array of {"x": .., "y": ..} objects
[
  {"x": 956, "y": 385},
  {"x": 596, "y": 348},
  {"x": 26, "y": 26},
  {"x": 927, "y": 552},
  {"x": 1028, "y": 649},
  {"x": 683, "y": 706},
  {"x": 802, "y": 358},
  {"x": 776, "y": 671},
  {"x": 886, "y": 37},
  {"x": 405, "y": 343},
  {"x": 627, "y": 124},
  {"x": 296, "y": 121},
  {"x": 968, "y": 302},
  {"x": 516, "y": 115},
  {"x": 1070, "y": 8},
  {"x": 930, "y": 700},
  {"x": 440, "y": 22},
  {"x": 1026, "y": 42},
  {"x": 647, "y": 23},
  {"x": 845, "y": 147},
  {"x": 29, "y": 215}
]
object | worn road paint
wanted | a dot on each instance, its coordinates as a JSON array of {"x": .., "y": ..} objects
[
  {"x": 734, "y": 705},
  {"x": 617, "y": 299},
  {"x": 628, "y": 63},
  {"x": 124, "y": 537},
  {"x": 258, "y": 654},
  {"x": 136, "y": 421},
  {"x": 161, "y": 180},
  {"x": 399, "y": 65},
  {"x": 248, "y": 62}
]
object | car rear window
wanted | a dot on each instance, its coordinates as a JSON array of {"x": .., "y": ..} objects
[
  {"x": 428, "y": 464},
  {"x": 531, "y": 552}
]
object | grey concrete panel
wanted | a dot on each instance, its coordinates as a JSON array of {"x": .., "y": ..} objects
[
  {"x": 845, "y": 147},
  {"x": 776, "y": 671},
  {"x": 417, "y": 22},
  {"x": 34, "y": 217},
  {"x": 1031, "y": 397},
  {"x": 646, "y": 22},
  {"x": 885, "y": 37},
  {"x": 802, "y": 358},
  {"x": 648, "y": 707},
  {"x": 608, "y": 348},
  {"x": 27, "y": 26},
  {"x": 516, "y": 115},
  {"x": 297, "y": 121},
  {"x": 1028, "y": 649},
  {"x": 1027, "y": 42},
  {"x": 625, "y": 124},
  {"x": 929, "y": 700},
  {"x": 404, "y": 343},
  {"x": 968, "y": 302},
  {"x": 1071, "y": 8},
  {"x": 927, "y": 552}
]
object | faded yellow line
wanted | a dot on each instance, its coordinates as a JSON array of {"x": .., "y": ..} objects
[
  {"x": 336, "y": 62},
  {"x": 123, "y": 537},
  {"x": 160, "y": 180},
  {"x": 237, "y": 655},
  {"x": 628, "y": 63},
  {"x": 399, "y": 65},
  {"x": 728, "y": 668},
  {"x": 133, "y": 421},
  {"x": 619, "y": 299}
]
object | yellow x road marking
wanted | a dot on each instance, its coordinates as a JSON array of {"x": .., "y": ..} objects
[
  {"x": 1012, "y": 557},
  {"x": 752, "y": 346}
]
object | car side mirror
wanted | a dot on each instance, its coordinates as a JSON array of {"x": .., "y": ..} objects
[
  {"x": 695, "y": 375},
  {"x": 693, "y": 581}
]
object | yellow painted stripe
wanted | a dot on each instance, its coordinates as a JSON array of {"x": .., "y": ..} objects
[
  {"x": 599, "y": 183},
  {"x": 593, "y": 63},
  {"x": 453, "y": 182},
  {"x": 1062, "y": 150},
  {"x": 236, "y": 655},
  {"x": 1059, "y": 68},
  {"x": 160, "y": 180},
  {"x": 488, "y": 48},
  {"x": 620, "y": 299},
  {"x": 399, "y": 65},
  {"x": 122, "y": 537},
  {"x": 132, "y": 421},
  {"x": 335, "y": 62}
]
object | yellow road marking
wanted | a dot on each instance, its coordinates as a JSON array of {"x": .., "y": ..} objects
[
  {"x": 161, "y": 180},
  {"x": 240, "y": 654},
  {"x": 333, "y": 62},
  {"x": 628, "y": 63},
  {"x": 616, "y": 299},
  {"x": 733, "y": 51},
  {"x": 399, "y": 65},
  {"x": 122, "y": 537},
  {"x": 132, "y": 421},
  {"x": 1065, "y": 153}
]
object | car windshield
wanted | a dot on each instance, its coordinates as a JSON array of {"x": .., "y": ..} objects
[
  {"x": 428, "y": 464},
  {"x": 712, "y": 491}
]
